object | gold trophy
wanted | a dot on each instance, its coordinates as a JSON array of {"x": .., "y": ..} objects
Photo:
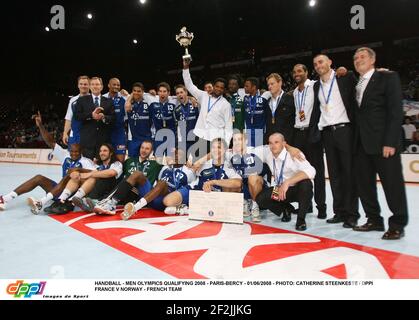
[{"x": 185, "y": 39}]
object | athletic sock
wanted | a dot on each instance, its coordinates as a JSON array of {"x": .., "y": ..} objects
[
  {"x": 64, "y": 195},
  {"x": 47, "y": 198},
  {"x": 140, "y": 204},
  {"x": 10, "y": 196},
  {"x": 79, "y": 194}
]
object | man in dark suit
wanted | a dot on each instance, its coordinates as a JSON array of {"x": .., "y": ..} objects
[
  {"x": 281, "y": 117},
  {"x": 378, "y": 138},
  {"x": 331, "y": 121},
  {"x": 97, "y": 115}
]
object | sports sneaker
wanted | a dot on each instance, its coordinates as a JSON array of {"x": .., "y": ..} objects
[
  {"x": 36, "y": 205},
  {"x": 129, "y": 211},
  {"x": 62, "y": 207},
  {"x": 256, "y": 214},
  {"x": 178, "y": 210},
  {"x": 246, "y": 207},
  {"x": 106, "y": 207},
  {"x": 2, "y": 204},
  {"x": 83, "y": 204}
]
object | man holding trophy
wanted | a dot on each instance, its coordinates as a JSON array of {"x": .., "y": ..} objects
[{"x": 214, "y": 119}]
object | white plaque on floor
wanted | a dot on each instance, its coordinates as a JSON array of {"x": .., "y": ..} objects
[{"x": 216, "y": 206}]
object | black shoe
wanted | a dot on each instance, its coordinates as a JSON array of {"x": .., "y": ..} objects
[
  {"x": 335, "y": 219},
  {"x": 369, "y": 226},
  {"x": 62, "y": 208},
  {"x": 85, "y": 204},
  {"x": 301, "y": 225},
  {"x": 350, "y": 224},
  {"x": 393, "y": 235},
  {"x": 286, "y": 215},
  {"x": 51, "y": 207},
  {"x": 322, "y": 215}
]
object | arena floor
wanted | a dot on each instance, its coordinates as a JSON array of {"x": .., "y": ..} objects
[{"x": 152, "y": 245}]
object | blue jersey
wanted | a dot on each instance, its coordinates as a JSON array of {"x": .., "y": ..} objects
[
  {"x": 119, "y": 107},
  {"x": 212, "y": 172},
  {"x": 188, "y": 114},
  {"x": 255, "y": 111},
  {"x": 176, "y": 177},
  {"x": 67, "y": 163},
  {"x": 139, "y": 121},
  {"x": 163, "y": 116},
  {"x": 246, "y": 164}
]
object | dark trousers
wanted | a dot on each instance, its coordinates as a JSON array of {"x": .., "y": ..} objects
[
  {"x": 314, "y": 154},
  {"x": 391, "y": 176},
  {"x": 339, "y": 156},
  {"x": 302, "y": 193},
  {"x": 102, "y": 187}
]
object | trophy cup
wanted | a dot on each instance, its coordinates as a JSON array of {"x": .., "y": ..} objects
[{"x": 185, "y": 39}]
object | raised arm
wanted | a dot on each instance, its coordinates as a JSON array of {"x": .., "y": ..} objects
[
  {"x": 46, "y": 136},
  {"x": 193, "y": 89}
]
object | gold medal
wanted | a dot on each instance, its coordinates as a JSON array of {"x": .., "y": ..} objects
[
  {"x": 164, "y": 123},
  {"x": 302, "y": 115},
  {"x": 273, "y": 120},
  {"x": 234, "y": 119},
  {"x": 275, "y": 194}
]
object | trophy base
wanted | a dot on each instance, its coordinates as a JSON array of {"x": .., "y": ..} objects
[{"x": 187, "y": 57}]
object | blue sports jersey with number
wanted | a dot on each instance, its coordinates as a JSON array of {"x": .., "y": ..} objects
[
  {"x": 188, "y": 113},
  {"x": 139, "y": 121},
  {"x": 163, "y": 116},
  {"x": 255, "y": 112},
  {"x": 174, "y": 177},
  {"x": 247, "y": 164}
]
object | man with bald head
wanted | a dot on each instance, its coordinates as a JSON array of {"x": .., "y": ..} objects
[
  {"x": 331, "y": 122},
  {"x": 118, "y": 137},
  {"x": 291, "y": 182}
]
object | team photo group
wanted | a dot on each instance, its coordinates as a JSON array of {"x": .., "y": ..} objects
[{"x": 136, "y": 147}]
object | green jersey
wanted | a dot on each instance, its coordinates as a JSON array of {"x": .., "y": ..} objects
[
  {"x": 237, "y": 105},
  {"x": 150, "y": 168}
]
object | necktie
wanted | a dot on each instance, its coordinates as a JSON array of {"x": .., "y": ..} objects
[
  {"x": 96, "y": 101},
  {"x": 359, "y": 87}
]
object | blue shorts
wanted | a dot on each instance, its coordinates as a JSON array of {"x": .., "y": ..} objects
[
  {"x": 184, "y": 191},
  {"x": 156, "y": 203},
  {"x": 144, "y": 189},
  {"x": 134, "y": 147},
  {"x": 118, "y": 141}
]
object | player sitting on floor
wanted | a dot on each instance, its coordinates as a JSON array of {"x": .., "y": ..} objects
[{"x": 70, "y": 161}]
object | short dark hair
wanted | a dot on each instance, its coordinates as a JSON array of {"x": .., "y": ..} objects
[
  {"x": 139, "y": 85},
  {"x": 181, "y": 86},
  {"x": 164, "y": 85},
  {"x": 221, "y": 141},
  {"x": 302, "y": 66},
  {"x": 222, "y": 80},
  {"x": 254, "y": 81},
  {"x": 208, "y": 82}
]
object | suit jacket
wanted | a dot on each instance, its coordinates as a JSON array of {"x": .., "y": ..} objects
[
  {"x": 93, "y": 132},
  {"x": 284, "y": 118},
  {"x": 346, "y": 85},
  {"x": 379, "y": 119}
]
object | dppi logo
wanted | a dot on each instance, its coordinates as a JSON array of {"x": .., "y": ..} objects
[{"x": 27, "y": 290}]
